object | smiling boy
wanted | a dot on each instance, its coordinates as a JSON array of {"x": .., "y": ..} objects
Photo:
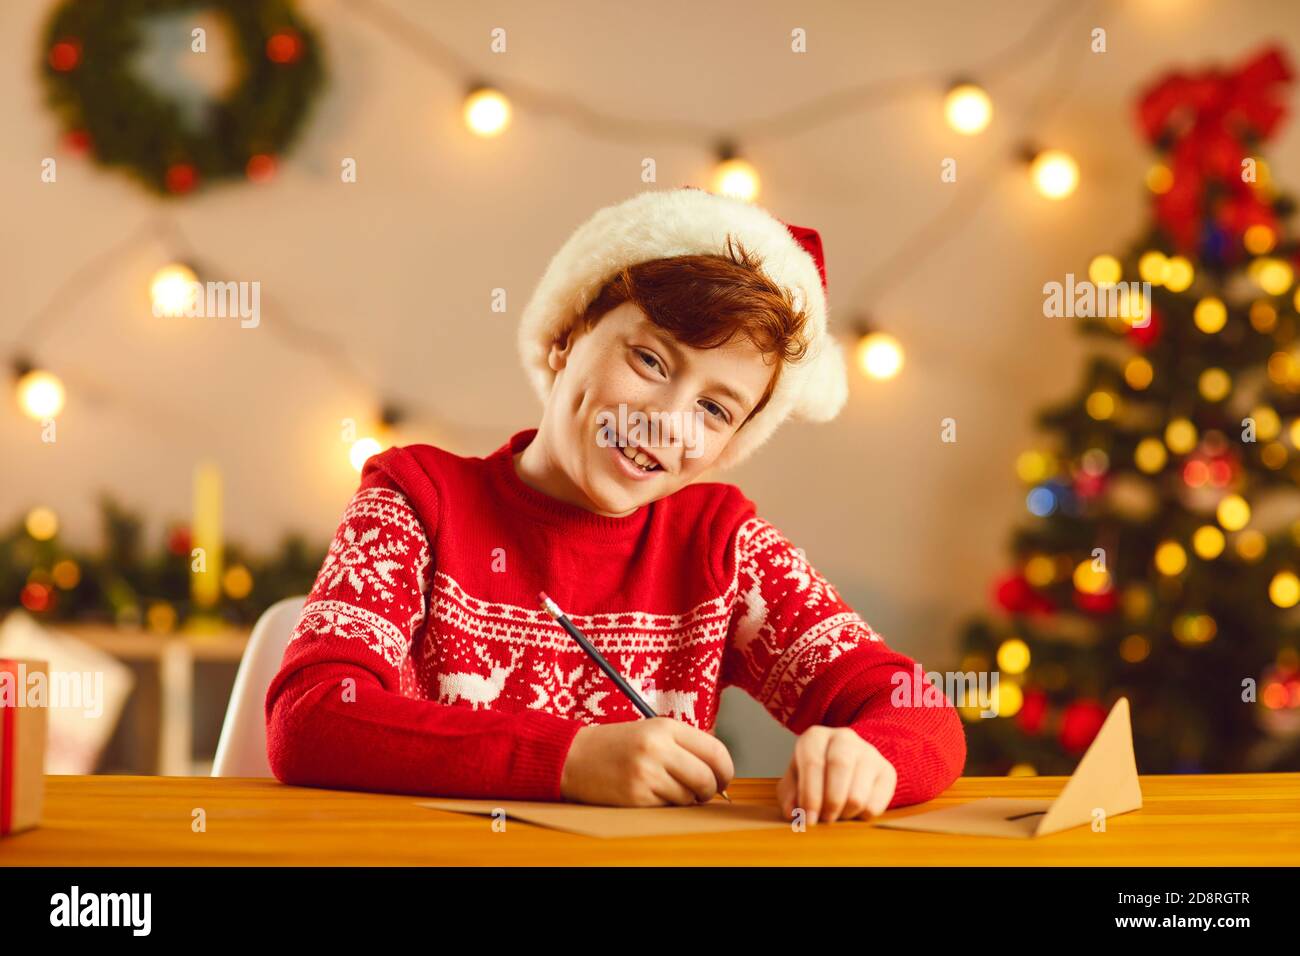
[{"x": 422, "y": 663}]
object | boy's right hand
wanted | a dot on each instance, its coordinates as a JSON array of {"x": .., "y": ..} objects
[{"x": 650, "y": 762}]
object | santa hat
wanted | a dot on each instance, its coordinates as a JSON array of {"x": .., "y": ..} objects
[{"x": 658, "y": 224}]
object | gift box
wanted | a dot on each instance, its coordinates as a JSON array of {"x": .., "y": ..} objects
[{"x": 24, "y": 710}]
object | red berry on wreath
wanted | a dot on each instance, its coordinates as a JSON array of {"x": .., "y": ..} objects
[
  {"x": 65, "y": 55},
  {"x": 284, "y": 47},
  {"x": 77, "y": 141},
  {"x": 260, "y": 168},
  {"x": 181, "y": 177},
  {"x": 179, "y": 541}
]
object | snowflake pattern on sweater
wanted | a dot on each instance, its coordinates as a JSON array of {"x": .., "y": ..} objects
[{"x": 482, "y": 653}]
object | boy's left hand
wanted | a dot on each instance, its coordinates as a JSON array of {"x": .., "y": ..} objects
[{"x": 835, "y": 774}]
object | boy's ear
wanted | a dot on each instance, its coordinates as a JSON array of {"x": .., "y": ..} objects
[{"x": 560, "y": 348}]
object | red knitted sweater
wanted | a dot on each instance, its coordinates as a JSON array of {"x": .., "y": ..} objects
[{"x": 423, "y": 664}]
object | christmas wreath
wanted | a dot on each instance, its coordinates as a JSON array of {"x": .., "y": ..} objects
[{"x": 111, "y": 114}]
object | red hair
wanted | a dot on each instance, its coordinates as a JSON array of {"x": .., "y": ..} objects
[{"x": 707, "y": 300}]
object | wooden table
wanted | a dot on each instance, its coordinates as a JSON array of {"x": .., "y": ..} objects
[{"x": 1248, "y": 819}]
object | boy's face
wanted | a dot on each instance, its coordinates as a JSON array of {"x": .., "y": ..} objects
[{"x": 625, "y": 382}]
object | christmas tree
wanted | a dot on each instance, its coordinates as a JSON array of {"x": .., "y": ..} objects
[{"x": 1160, "y": 558}]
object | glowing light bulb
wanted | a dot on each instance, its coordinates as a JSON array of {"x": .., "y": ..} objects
[
  {"x": 487, "y": 112},
  {"x": 880, "y": 355},
  {"x": 1055, "y": 173},
  {"x": 42, "y": 523},
  {"x": 968, "y": 109},
  {"x": 361, "y": 450},
  {"x": 172, "y": 288},
  {"x": 40, "y": 394},
  {"x": 736, "y": 177}
]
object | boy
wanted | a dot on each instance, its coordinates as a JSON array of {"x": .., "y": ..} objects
[{"x": 670, "y": 335}]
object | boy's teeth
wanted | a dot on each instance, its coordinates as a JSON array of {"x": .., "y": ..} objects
[{"x": 643, "y": 461}]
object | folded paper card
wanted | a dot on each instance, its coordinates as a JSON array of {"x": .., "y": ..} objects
[
  {"x": 716, "y": 816},
  {"x": 1105, "y": 781}
]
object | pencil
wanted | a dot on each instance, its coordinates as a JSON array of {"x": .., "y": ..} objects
[{"x": 584, "y": 642}]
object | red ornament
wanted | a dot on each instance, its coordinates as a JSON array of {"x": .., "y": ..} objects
[
  {"x": 179, "y": 540},
  {"x": 1103, "y": 603},
  {"x": 77, "y": 141},
  {"x": 1017, "y": 596},
  {"x": 261, "y": 168},
  {"x": 284, "y": 47},
  {"x": 1033, "y": 711},
  {"x": 37, "y": 597},
  {"x": 1080, "y": 723},
  {"x": 1087, "y": 485},
  {"x": 181, "y": 177},
  {"x": 65, "y": 55},
  {"x": 1145, "y": 336}
]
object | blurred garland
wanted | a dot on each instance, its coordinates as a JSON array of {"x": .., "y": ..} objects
[
  {"x": 129, "y": 585},
  {"x": 117, "y": 119}
]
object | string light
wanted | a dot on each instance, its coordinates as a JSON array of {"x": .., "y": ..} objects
[
  {"x": 42, "y": 523},
  {"x": 1181, "y": 436},
  {"x": 1179, "y": 273},
  {"x": 1089, "y": 579},
  {"x": 1150, "y": 455},
  {"x": 1138, "y": 373},
  {"x": 1160, "y": 179},
  {"x": 487, "y": 111},
  {"x": 1208, "y": 542},
  {"x": 1210, "y": 315},
  {"x": 171, "y": 288},
  {"x": 1013, "y": 656},
  {"x": 1035, "y": 466},
  {"x": 1284, "y": 589},
  {"x": 1105, "y": 270},
  {"x": 1233, "y": 512},
  {"x": 1263, "y": 317},
  {"x": 1259, "y": 239},
  {"x": 1170, "y": 558},
  {"x": 1251, "y": 544},
  {"x": 880, "y": 355},
  {"x": 40, "y": 393},
  {"x": 734, "y": 176},
  {"x": 968, "y": 108},
  {"x": 1055, "y": 173},
  {"x": 1100, "y": 405},
  {"x": 361, "y": 450},
  {"x": 1272, "y": 275},
  {"x": 1153, "y": 267},
  {"x": 1214, "y": 384}
]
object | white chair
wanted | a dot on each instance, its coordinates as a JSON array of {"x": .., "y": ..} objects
[{"x": 241, "y": 752}]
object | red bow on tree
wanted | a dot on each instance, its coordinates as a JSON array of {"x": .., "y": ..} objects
[{"x": 1208, "y": 122}]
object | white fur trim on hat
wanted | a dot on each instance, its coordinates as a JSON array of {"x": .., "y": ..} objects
[{"x": 657, "y": 224}]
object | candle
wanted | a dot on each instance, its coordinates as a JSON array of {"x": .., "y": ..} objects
[{"x": 205, "y": 573}]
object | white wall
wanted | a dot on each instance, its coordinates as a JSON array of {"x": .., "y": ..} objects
[{"x": 401, "y": 264}]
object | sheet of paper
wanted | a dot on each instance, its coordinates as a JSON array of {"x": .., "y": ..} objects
[
  {"x": 1106, "y": 780},
  {"x": 716, "y": 816}
]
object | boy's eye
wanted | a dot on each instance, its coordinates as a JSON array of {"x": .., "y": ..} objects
[
  {"x": 720, "y": 412},
  {"x": 649, "y": 358}
]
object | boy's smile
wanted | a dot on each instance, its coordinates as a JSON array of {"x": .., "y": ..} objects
[{"x": 625, "y": 385}]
